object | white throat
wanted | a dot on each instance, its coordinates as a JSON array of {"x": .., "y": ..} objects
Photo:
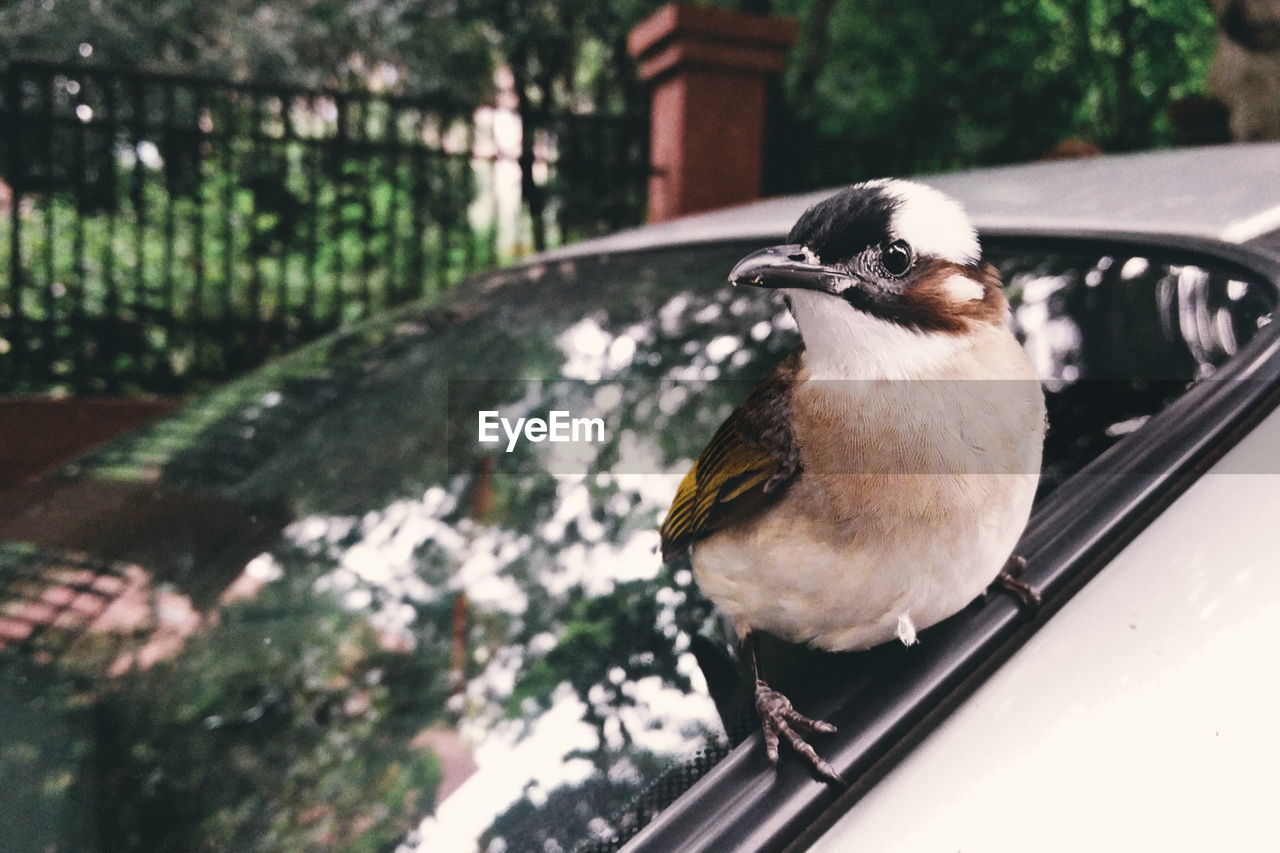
[{"x": 843, "y": 343}]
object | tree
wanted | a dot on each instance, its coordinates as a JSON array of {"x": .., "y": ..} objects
[
  {"x": 417, "y": 45},
  {"x": 563, "y": 57},
  {"x": 897, "y": 87}
]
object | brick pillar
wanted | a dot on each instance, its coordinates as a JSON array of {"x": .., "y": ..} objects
[{"x": 708, "y": 69}]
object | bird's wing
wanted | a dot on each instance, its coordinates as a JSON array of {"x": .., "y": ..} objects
[{"x": 748, "y": 463}]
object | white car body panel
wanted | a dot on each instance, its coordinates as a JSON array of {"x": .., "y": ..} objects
[{"x": 1143, "y": 716}]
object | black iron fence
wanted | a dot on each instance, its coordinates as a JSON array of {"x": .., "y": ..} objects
[{"x": 160, "y": 232}]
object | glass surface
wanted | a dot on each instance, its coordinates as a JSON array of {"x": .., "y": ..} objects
[{"x": 311, "y": 611}]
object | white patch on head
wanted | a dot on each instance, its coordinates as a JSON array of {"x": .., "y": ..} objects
[
  {"x": 842, "y": 342},
  {"x": 906, "y": 629},
  {"x": 963, "y": 289},
  {"x": 931, "y": 222}
]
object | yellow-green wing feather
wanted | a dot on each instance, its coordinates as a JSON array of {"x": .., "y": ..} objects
[{"x": 744, "y": 467}]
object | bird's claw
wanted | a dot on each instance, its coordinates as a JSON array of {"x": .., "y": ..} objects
[
  {"x": 1008, "y": 579},
  {"x": 780, "y": 720}
]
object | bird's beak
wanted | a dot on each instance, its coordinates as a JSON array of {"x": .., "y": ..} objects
[{"x": 789, "y": 266}]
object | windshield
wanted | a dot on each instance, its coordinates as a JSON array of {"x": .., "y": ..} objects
[{"x": 314, "y": 610}]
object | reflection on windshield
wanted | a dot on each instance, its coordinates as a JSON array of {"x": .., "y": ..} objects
[{"x": 348, "y": 625}]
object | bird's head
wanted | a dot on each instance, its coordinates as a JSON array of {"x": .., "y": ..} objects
[{"x": 882, "y": 265}]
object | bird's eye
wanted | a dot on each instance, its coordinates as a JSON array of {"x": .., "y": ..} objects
[{"x": 896, "y": 258}]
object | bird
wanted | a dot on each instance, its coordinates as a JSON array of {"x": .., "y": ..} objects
[{"x": 878, "y": 479}]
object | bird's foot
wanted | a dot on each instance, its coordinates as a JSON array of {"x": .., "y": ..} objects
[
  {"x": 1009, "y": 579},
  {"x": 780, "y": 720}
]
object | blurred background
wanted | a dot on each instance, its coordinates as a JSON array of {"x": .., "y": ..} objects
[{"x": 187, "y": 187}]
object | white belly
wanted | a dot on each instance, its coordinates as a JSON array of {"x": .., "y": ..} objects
[
  {"x": 790, "y": 573},
  {"x": 911, "y": 498}
]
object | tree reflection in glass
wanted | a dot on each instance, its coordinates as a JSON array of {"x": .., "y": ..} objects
[{"x": 416, "y": 612}]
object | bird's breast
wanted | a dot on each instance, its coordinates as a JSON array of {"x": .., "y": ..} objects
[
  {"x": 880, "y": 451},
  {"x": 912, "y": 495}
]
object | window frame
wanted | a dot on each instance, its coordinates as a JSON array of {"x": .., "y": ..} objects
[{"x": 744, "y": 804}]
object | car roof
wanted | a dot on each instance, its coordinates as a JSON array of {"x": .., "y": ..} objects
[{"x": 1229, "y": 193}]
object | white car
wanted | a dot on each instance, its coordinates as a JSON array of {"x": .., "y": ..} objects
[
  {"x": 1137, "y": 710},
  {"x": 316, "y": 609}
]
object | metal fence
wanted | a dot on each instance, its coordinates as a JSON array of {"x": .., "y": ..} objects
[{"x": 161, "y": 232}]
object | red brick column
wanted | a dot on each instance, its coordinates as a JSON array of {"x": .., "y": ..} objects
[{"x": 708, "y": 69}]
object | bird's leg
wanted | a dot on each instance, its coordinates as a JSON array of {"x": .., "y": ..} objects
[
  {"x": 1008, "y": 579},
  {"x": 779, "y": 719}
]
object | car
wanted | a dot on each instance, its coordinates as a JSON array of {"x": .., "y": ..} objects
[{"x": 361, "y": 598}]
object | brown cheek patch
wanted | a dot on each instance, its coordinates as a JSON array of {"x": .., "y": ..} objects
[{"x": 927, "y": 304}]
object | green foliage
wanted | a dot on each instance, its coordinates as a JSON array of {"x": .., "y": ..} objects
[
  {"x": 395, "y": 440},
  {"x": 262, "y": 711},
  {"x": 873, "y": 87},
  {"x": 284, "y": 725},
  {"x": 165, "y": 286},
  {"x": 909, "y": 86},
  {"x": 569, "y": 53},
  {"x": 620, "y": 630},
  {"x": 306, "y": 42},
  {"x": 565, "y": 55},
  {"x": 45, "y": 803}
]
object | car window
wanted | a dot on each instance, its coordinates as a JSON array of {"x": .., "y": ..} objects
[{"x": 313, "y": 611}]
